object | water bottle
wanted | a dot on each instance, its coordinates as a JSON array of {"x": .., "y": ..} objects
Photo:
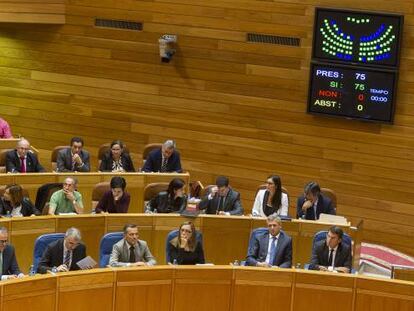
[
  {"x": 32, "y": 270},
  {"x": 175, "y": 262},
  {"x": 8, "y": 214}
]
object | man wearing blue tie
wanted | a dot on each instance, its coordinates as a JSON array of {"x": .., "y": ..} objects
[{"x": 271, "y": 248}]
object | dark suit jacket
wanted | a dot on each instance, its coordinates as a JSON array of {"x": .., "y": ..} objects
[
  {"x": 27, "y": 207},
  {"x": 232, "y": 204},
  {"x": 106, "y": 164},
  {"x": 13, "y": 162},
  {"x": 257, "y": 252},
  {"x": 324, "y": 206},
  {"x": 64, "y": 161},
  {"x": 154, "y": 159},
  {"x": 10, "y": 265},
  {"x": 162, "y": 203},
  {"x": 53, "y": 256},
  {"x": 320, "y": 256}
]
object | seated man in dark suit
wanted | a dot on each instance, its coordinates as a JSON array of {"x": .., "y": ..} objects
[
  {"x": 312, "y": 203},
  {"x": 164, "y": 160},
  {"x": 73, "y": 159},
  {"x": 331, "y": 254},
  {"x": 9, "y": 268},
  {"x": 272, "y": 248},
  {"x": 63, "y": 254},
  {"x": 22, "y": 160},
  {"x": 222, "y": 200}
]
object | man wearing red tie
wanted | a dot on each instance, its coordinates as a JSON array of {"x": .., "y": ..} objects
[{"x": 22, "y": 159}]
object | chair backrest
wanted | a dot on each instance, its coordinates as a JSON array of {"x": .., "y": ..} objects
[
  {"x": 103, "y": 149},
  {"x": 3, "y": 154},
  {"x": 40, "y": 245},
  {"x": 264, "y": 186},
  {"x": 105, "y": 247},
  {"x": 53, "y": 157},
  {"x": 330, "y": 194},
  {"x": 98, "y": 191},
  {"x": 151, "y": 190},
  {"x": 321, "y": 235},
  {"x": 148, "y": 148},
  {"x": 174, "y": 233},
  {"x": 44, "y": 193},
  {"x": 255, "y": 233}
]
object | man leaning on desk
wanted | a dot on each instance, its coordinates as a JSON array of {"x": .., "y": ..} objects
[
  {"x": 164, "y": 160},
  {"x": 222, "y": 199},
  {"x": 9, "y": 269},
  {"x": 63, "y": 254}
]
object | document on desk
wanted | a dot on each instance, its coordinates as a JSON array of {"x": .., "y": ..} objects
[{"x": 86, "y": 263}]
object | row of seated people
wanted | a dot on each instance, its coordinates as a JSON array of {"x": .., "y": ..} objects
[
  {"x": 75, "y": 159},
  {"x": 272, "y": 247},
  {"x": 220, "y": 200}
]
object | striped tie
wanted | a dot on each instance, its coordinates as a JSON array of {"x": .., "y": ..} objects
[
  {"x": 66, "y": 260},
  {"x": 164, "y": 165}
]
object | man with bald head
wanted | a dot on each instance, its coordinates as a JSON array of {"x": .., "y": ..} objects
[{"x": 22, "y": 159}]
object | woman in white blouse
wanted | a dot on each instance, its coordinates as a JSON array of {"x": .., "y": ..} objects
[{"x": 271, "y": 200}]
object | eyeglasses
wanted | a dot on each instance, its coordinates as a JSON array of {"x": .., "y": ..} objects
[
  {"x": 186, "y": 230},
  {"x": 3, "y": 241}
]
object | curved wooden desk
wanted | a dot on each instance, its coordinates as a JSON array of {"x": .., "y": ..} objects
[
  {"x": 218, "y": 288},
  {"x": 225, "y": 238}
]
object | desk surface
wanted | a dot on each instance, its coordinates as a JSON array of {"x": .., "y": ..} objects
[{"x": 205, "y": 288}]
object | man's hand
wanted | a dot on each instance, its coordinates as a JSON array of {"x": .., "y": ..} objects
[
  {"x": 69, "y": 195},
  {"x": 77, "y": 159},
  {"x": 323, "y": 268},
  {"x": 138, "y": 264},
  {"x": 306, "y": 205},
  {"x": 62, "y": 268},
  {"x": 263, "y": 264},
  {"x": 342, "y": 269}
]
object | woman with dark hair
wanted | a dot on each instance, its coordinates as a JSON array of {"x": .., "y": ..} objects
[
  {"x": 271, "y": 200},
  {"x": 14, "y": 203},
  {"x": 115, "y": 200},
  {"x": 173, "y": 200},
  {"x": 116, "y": 160},
  {"x": 185, "y": 249}
]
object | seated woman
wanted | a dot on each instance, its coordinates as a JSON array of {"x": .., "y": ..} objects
[
  {"x": 185, "y": 249},
  {"x": 171, "y": 201},
  {"x": 14, "y": 204},
  {"x": 271, "y": 200},
  {"x": 116, "y": 160},
  {"x": 115, "y": 200}
]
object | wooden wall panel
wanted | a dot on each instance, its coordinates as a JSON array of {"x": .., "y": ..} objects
[
  {"x": 234, "y": 108},
  {"x": 32, "y": 11}
]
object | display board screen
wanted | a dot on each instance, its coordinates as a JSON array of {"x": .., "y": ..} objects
[
  {"x": 354, "y": 92},
  {"x": 356, "y": 37}
]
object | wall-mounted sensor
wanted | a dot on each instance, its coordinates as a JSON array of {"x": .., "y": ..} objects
[{"x": 167, "y": 47}]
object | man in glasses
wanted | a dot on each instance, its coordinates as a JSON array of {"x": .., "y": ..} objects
[
  {"x": 131, "y": 251},
  {"x": 66, "y": 200},
  {"x": 22, "y": 160},
  {"x": 9, "y": 269},
  {"x": 62, "y": 255}
]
